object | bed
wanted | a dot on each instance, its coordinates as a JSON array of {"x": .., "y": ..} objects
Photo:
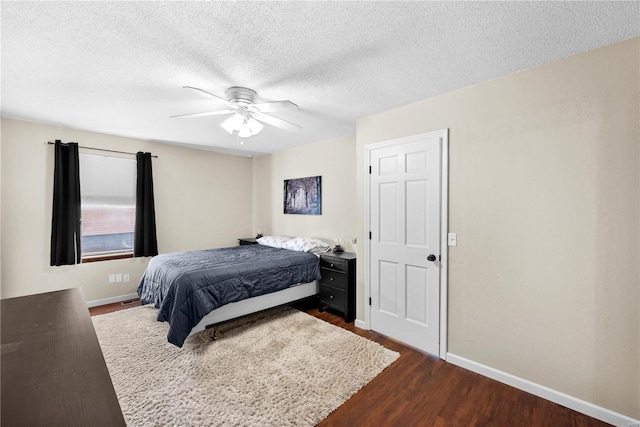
[{"x": 198, "y": 288}]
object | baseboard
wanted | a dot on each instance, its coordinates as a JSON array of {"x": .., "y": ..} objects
[
  {"x": 560, "y": 398},
  {"x": 360, "y": 324},
  {"x": 111, "y": 300}
]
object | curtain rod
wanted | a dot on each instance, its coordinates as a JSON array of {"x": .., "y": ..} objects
[{"x": 102, "y": 149}]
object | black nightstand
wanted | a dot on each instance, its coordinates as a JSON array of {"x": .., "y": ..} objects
[
  {"x": 247, "y": 241},
  {"x": 338, "y": 283}
]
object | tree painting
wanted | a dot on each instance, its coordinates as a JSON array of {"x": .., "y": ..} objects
[{"x": 303, "y": 195}]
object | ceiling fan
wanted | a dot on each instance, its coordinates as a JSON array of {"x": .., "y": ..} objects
[{"x": 248, "y": 113}]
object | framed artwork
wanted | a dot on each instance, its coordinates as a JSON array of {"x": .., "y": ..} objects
[{"x": 303, "y": 196}]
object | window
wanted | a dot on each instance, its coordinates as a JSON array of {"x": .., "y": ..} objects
[{"x": 108, "y": 200}]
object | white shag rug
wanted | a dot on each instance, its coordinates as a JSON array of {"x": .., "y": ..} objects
[{"x": 278, "y": 368}]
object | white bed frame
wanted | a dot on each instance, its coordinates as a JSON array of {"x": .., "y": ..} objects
[{"x": 237, "y": 309}]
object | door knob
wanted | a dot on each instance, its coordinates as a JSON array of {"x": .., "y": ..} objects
[{"x": 431, "y": 257}]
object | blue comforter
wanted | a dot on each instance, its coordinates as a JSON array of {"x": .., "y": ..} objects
[{"x": 186, "y": 286}]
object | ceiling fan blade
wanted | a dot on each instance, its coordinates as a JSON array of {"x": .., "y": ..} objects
[
  {"x": 208, "y": 113},
  {"x": 267, "y": 107},
  {"x": 211, "y": 95},
  {"x": 274, "y": 121}
]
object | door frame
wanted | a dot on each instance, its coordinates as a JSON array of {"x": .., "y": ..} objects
[{"x": 443, "y": 134}]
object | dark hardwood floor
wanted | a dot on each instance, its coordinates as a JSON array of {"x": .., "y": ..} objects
[{"x": 422, "y": 390}]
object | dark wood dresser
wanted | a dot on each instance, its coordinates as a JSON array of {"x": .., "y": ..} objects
[
  {"x": 338, "y": 283},
  {"x": 53, "y": 371}
]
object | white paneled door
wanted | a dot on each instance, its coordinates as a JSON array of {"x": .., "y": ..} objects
[{"x": 405, "y": 240}]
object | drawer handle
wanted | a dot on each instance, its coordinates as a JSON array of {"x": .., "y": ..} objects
[
  {"x": 330, "y": 296},
  {"x": 331, "y": 278},
  {"x": 331, "y": 265}
]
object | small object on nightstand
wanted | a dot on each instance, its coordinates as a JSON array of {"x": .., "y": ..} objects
[
  {"x": 338, "y": 283},
  {"x": 339, "y": 247},
  {"x": 259, "y": 235}
]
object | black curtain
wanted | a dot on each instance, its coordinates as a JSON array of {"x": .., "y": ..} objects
[
  {"x": 65, "y": 222},
  {"x": 144, "y": 238}
]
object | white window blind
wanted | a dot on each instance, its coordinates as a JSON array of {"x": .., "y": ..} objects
[
  {"x": 108, "y": 198},
  {"x": 107, "y": 180}
]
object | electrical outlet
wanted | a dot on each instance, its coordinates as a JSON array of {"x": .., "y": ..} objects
[
  {"x": 112, "y": 278},
  {"x": 118, "y": 277},
  {"x": 126, "y": 277},
  {"x": 354, "y": 240}
]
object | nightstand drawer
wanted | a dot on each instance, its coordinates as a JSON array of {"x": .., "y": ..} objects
[
  {"x": 334, "y": 264},
  {"x": 332, "y": 297},
  {"x": 247, "y": 241},
  {"x": 334, "y": 279}
]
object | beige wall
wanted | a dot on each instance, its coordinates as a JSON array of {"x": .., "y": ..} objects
[
  {"x": 334, "y": 160},
  {"x": 203, "y": 200},
  {"x": 544, "y": 195}
]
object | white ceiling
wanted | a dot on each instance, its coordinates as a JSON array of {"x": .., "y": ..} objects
[{"x": 118, "y": 67}]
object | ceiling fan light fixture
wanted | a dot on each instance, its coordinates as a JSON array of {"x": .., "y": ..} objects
[
  {"x": 254, "y": 126},
  {"x": 244, "y": 132},
  {"x": 233, "y": 123},
  {"x": 245, "y": 127}
]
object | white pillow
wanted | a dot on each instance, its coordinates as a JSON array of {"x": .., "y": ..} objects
[
  {"x": 273, "y": 241},
  {"x": 306, "y": 244}
]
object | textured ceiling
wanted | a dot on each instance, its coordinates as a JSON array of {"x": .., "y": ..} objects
[{"x": 118, "y": 67}]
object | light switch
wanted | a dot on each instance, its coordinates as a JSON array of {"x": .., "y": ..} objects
[
  {"x": 119, "y": 277},
  {"x": 126, "y": 277},
  {"x": 112, "y": 278},
  {"x": 452, "y": 239}
]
